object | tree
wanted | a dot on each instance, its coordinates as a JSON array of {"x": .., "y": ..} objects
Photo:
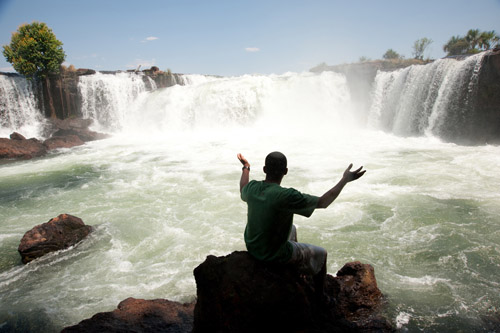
[
  {"x": 475, "y": 41},
  {"x": 456, "y": 45},
  {"x": 391, "y": 54},
  {"x": 488, "y": 39},
  {"x": 34, "y": 51},
  {"x": 419, "y": 47}
]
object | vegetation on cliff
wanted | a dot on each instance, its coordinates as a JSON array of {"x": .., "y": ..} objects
[
  {"x": 34, "y": 50},
  {"x": 474, "y": 42}
]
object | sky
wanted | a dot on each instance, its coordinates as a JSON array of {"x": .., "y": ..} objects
[{"x": 232, "y": 37}]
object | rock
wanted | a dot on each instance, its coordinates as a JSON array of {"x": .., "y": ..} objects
[
  {"x": 237, "y": 293},
  {"x": 21, "y": 149},
  {"x": 356, "y": 292},
  {"x": 66, "y": 141},
  {"x": 59, "y": 233},
  {"x": 138, "y": 315},
  {"x": 85, "y": 71},
  {"x": 78, "y": 127},
  {"x": 17, "y": 136}
]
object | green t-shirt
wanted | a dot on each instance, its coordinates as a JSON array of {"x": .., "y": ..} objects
[{"x": 270, "y": 218}]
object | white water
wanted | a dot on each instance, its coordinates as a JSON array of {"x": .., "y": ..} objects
[
  {"x": 431, "y": 100},
  {"x": 18, "y": 108},
  {"x": 163, "y": 194}
]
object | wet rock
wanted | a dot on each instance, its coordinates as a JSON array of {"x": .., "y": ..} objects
[
  {"x": 237, "y": 293},
  {"x": 59, "y": 233},
  {"x": 66, "y": 141},
  {"x": 78, "y": 127},
  {"x": 21, "y": 149},
  {"x": 139, "y": 315},
  {"x": 17, "y": 136}
]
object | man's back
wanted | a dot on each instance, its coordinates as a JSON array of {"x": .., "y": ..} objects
[{"x": 270, "y": 218}]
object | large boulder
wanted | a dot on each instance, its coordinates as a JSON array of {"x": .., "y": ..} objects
[
  {"x": 237, "y": 293},
  {"x": 59, "y": 233},
  {"x": 19, "y": 148},
  {"x": 139, "y": 315}
]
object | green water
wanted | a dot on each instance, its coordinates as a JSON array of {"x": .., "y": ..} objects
[{"x": 426, "y": 215}]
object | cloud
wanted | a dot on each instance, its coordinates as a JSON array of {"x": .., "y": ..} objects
[
  {"x": 252, "y": 49},
  {"x": 149, "y": 39}
]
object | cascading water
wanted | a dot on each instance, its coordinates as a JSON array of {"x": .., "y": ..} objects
[
  {"x": 435, "y": 99},
  {"x": 162, "y": 194},
  {"x": 19, "y": 108}
]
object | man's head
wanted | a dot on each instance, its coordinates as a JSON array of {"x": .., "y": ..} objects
[{"x": 276, "y": 166}]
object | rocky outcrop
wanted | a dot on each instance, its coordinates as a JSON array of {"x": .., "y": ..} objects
[
  {"x": 486, "y": 123},
  {"x": 138, "y": 315},
  {"x": 237, "y": 293},
  {"x": 59, "y": 233},
  {"x": 59, "y": 97},
  {"x": 77, "y": 127},
  {"x": 65, "y": 134},
  {"x": 66, "y": 141},
  {"x": 21, "y": 148}
]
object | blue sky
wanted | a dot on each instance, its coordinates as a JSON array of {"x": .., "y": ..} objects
[{"x": 231, "y": 37}]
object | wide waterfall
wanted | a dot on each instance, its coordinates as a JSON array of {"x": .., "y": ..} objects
[{"x": 162, "y": 193}]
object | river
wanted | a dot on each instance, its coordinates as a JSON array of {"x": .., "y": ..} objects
[{"x": 162, "y": 193}]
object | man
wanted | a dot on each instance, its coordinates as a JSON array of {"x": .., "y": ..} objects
[{"x": 269, "y": 233}]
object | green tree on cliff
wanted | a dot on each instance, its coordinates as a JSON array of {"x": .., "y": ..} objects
[
  {"x": 391, "y": 54},
  {"x": 419, "y": 47},
  {"x": 34, "y": 50},
  {"x": 475, "y": 41}
]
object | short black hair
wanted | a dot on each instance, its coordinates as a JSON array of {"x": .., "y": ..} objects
[{"x": 276, "y": 164}]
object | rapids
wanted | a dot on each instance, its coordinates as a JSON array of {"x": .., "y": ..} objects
[{"x": 163, "y": 194}]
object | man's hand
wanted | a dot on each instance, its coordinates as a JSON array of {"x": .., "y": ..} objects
[
  {"x": 245, "y": 173},
  {"x": 326, "y": 199},
  {"x": 349, "y": 175},
  {"x": 243, "y": 160}
]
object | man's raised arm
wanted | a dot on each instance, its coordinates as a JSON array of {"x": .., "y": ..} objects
[
  {"x": 245, "y": 171},
  {"x": 326, "y": 199}
]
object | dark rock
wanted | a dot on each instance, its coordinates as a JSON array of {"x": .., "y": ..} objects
[
  {"x": 66, "y": 141},
  {"x": 237, "y": 293},
  {"x": 59, "y": 233},
  {"x": 72, "y": 123},
  {"x": 21, "y": 149},
  {"x": 17, "y": 136},
  {"x": 85, "y": 71},
  {"x": 78, "y": 127},
  {"x": 138, "y": 315},
  {"x": 485, "y": 124}
]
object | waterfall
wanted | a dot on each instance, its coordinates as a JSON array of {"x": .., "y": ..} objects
[
  {"x": 105, "y": 97},
  {"x": 435, "y": 99},
  {"x": 19, "y": 107},
  {"x": 291, "y": 101},
  {"x": 438, "y": 99}
]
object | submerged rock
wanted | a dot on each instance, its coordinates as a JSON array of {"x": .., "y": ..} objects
[
  {"x": 59, "y": 233},
  {"x": 139, "y": 315},
  {"x": 237, "y": 293}
]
